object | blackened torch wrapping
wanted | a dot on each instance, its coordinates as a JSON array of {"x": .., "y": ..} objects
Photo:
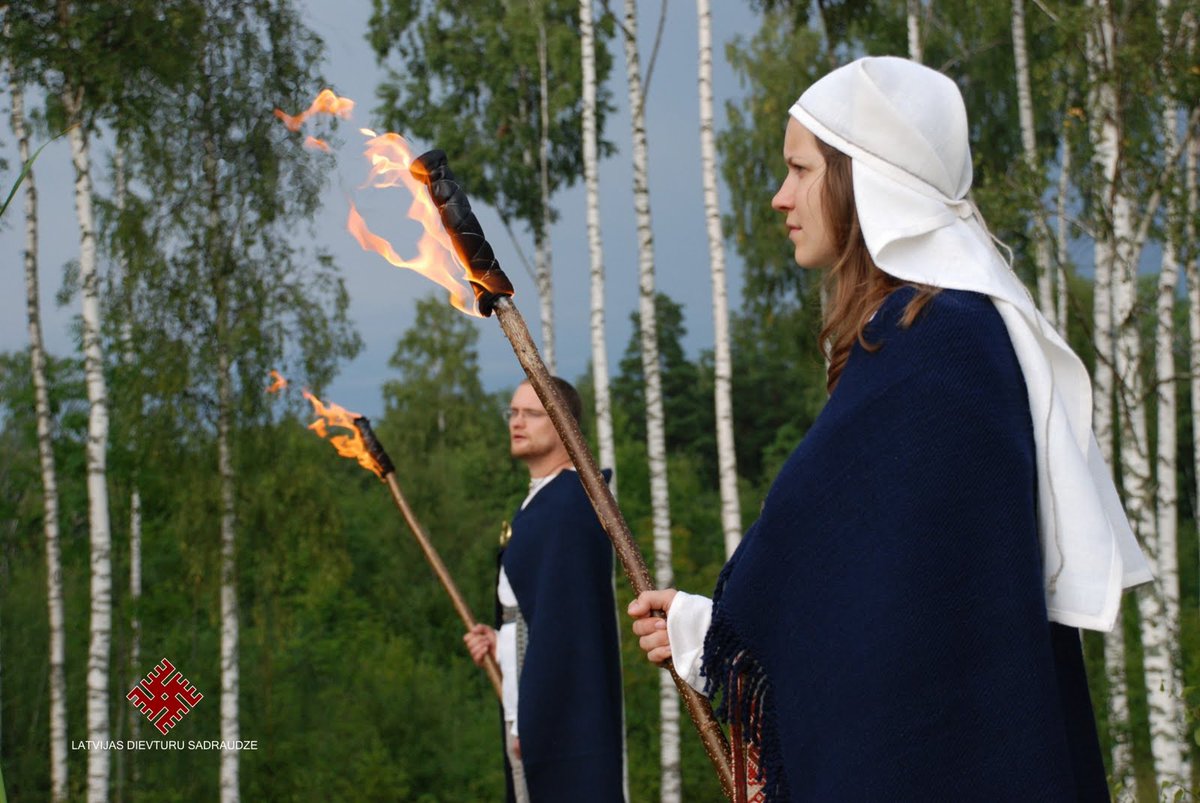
[
  {"x": 373, "y": 446},
  {"x": 483, "y": 269}
]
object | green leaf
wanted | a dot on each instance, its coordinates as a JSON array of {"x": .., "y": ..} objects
[{"x": 25, "y": 168}]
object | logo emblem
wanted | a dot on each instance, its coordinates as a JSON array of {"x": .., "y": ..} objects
[{"x": 164, "y": 696}]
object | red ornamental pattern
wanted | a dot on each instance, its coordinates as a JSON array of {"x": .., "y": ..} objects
[{"x": 164, "y": 696}]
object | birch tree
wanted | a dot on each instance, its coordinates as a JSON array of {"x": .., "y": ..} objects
[
  {"x": 542, "y": 259},
  {"x": 238, "y": 294},
  {"x": 499, "y": 89},
  {"x": 1061, "y": 240},
  {"x": 1191, "y": 257},
  {"x": 100, "y": 535},
  {"x": 656, "y": 442},
  {"x": 129, "y": 359},
  {"x": 37, "y": 359},
  {"x": 215, "y": 263},
  {"x": 65, "y": 31},
  {"x": 779, "y": 384},
  {"x": 1122, "y": 236},
  {"x": 1102, "y": 116},
  {"x": 1160, "y": 612},
  {"x": 78, "y": 54},
  {"x": 731, "y": 514},
  {"x": 1040, "y": 224},
  {"x": 591, "y": 179},
  {"x": 913, "y": 20}
]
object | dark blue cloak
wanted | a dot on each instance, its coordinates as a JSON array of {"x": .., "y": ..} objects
[
  {"x": 886, "y": 612},
  {"x": 560, "y": 565}
]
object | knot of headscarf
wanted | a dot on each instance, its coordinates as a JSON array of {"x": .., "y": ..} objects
[{"x": 964, "y": 208}]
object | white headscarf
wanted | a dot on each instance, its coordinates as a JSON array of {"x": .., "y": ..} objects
[{"x": 904, "y": 127}]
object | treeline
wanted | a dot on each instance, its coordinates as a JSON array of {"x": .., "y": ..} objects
[{"x": 155, "y": 502}]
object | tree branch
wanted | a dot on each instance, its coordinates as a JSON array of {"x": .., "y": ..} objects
[{"x": 520, "y": 252}]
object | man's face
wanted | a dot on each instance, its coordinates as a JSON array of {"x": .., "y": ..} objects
[{"x": 531, "y": 432}]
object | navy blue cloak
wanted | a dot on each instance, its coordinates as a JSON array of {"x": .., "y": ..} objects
[
  {"x": 886, "y": 615},
  {"x": 569, "y": 710}
]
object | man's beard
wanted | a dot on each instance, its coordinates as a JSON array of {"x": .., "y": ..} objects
[{"x": 527, "y": 449}]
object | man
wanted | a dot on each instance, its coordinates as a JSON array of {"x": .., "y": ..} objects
[{"x": 557, "y": 644}]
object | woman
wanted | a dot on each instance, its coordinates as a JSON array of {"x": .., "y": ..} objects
[{"x": 900, "y": 622}]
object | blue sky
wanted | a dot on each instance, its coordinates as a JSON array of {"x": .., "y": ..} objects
[{"x": 382, "y": 297}]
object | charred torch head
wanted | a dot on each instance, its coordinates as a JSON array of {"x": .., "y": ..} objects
[
  {"x": 373, "y": 446},
  {"x": 484, "y": 271}
]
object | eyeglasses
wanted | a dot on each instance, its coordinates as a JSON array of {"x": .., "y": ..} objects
[{"x": 532, "y": 415}]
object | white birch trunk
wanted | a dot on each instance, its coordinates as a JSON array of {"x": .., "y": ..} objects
[
  {"x": 1102, "y": 111},
  {"x": 228, "y": 774},
  {"x": 1029, "y": 146},
  {"x": 1119, "y": 728},
  {"x": 913, "y": 16},
  {"x": 656, "y": 440},
  {"x": 1192, "y": 173},
  {"x": 100, "y": 639},
  {"x": 135, "y": 494},
  {"x": 1063, "y": 240},
  {"x": 542, "y": 261},
  {"x": 731, "y": 513},
  {"x": 604, "y": 425},
  {"x": 135, "y": 596},
  {"x": 229, "y": 601},
  {"x": 41, "y": 396},
  {"x": 1136, "y": 481},
  {"x": 1161, "y": 634}
]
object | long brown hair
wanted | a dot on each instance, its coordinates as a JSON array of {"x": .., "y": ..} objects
[{"x": 854, "y": 287}]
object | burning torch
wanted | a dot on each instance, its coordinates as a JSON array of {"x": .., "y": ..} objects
[
  {"x": 450, "y": 227},
  {"x": 493, "y": 294},
  {"x": 362, "y": 445}
]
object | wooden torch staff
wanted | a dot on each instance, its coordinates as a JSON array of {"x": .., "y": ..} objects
[
  {"x": 611, "y": 518},
  {"x": 493, "y": 293},
  {"x": 375, "y": 448}
]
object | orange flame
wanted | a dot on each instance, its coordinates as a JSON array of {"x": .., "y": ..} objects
[
  {"x": 437, "y": 259},
  {"x": 351, "y": 445},
  {"x": 278, "y": 383},
  {"x": 391, "y": 157},
  {"x": 326, "y": 103},
  {"x": 313, "y": 143}
]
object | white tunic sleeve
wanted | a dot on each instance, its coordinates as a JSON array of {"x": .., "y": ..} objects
[
  {"x": 506, "y": 654},
  {"x": 687, "y": 625}
]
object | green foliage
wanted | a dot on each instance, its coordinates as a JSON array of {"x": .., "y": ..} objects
[
  {"x": 102, "y": 54},
  {"x": 488, "y": 120},
  {"x": 779, "y": 377},
  {"x": 217, "y": 269},
  {"x": 354, "y": 680},
  {"x": 438, "y": 394},
  {"x": 687, "y": 400},
  {"x": 774, "y": 68}
]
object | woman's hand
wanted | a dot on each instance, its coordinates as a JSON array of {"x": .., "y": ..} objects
[
  {"x": 481, "y": 642},
  {"x": 652, "y": 630}
]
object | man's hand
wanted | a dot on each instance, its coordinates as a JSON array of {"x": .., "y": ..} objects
[
  {"x": 481, "y": 642},
  {"x": 652, "y": 630}
]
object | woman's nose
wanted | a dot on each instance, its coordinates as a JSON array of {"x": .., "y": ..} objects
[{"x": 780, "y": 200}]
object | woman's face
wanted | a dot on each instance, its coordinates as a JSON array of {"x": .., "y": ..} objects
[{"x": 800, "y": 199}]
